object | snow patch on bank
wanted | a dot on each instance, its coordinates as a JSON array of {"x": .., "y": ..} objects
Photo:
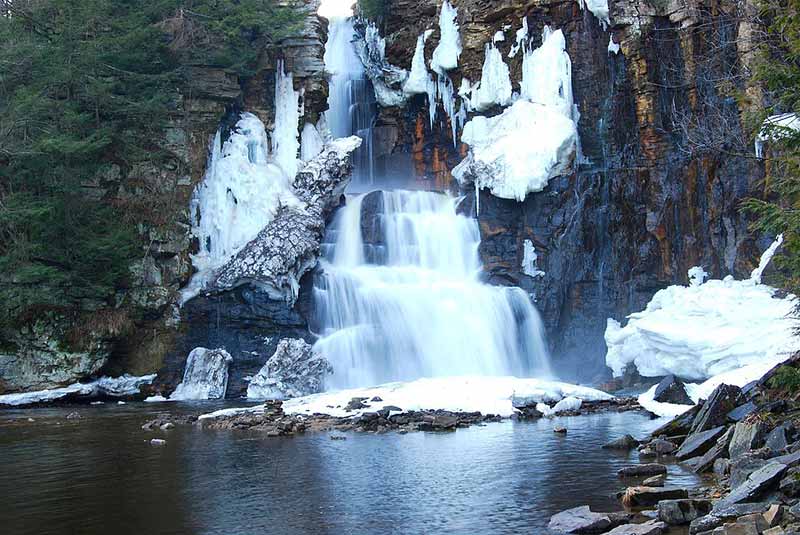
[
  {"x": 488, "y": 395},
  {"x": 126, "y": 385}
]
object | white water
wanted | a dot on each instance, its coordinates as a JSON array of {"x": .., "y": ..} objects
[{"x": 414, "y": 306}]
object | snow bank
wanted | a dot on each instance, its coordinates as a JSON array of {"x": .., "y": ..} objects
[
  {"x": 518, "y": 151},
  {"x": 126, "y": 385},
  {"x": 489, "y": 395},
  {"x": 205, "y": 375},
  {"x": 700, "y": 331},
  {"x": 776, "y": 127},
  {"x": 445, "y": 56}
]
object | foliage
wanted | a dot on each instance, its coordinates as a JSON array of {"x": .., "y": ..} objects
[
  {"x": 778, "y": 70},
  {"x": 785, "y": 378},
  {"x": 87, "y": 88}
]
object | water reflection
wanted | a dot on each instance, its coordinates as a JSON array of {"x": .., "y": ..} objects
[{"x": 98, "y": 475}]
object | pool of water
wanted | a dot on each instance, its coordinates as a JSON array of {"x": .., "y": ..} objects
[{"x": 99, "y": 474}]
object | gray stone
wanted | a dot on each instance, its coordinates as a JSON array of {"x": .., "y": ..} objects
[
  {"x": 699, "y": 443},
  {"x": 790, "y": 485},
  {"x": 646, "y": 496},
  {"x": 677, "y": 512},
  {"x": 672, "y": 390},
  {"x": 662, "y": 447},
  {"x": 157, "y": 442},
  {"x": 745, "y": 465},
  {"x": 777, "y": 439},
  {"x": 722, "y": 467},
  {"x": 711, "y": 521},
  {"x": 718, "y": 450},
  {"x": 294, "y": 370},
  {"x": 747, "y": 435},
  {"x": 715, "y": 411},
  {"x": 626, "y": 442},
  {"x": 655, "y": 481},
  {"x": 681, "y": 424},
  {"x": 583, "y": 520},
  {"x": 742, "y": 411},
  {"x": 756, "y": 484},
  {"x": 642, "y": 470},
  {"x": 653, "y": 527}
]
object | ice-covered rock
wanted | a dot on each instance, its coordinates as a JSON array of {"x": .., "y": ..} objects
[
  {"x": 494, "y": 87},
  {"x": 205, "y": 375},
  {"x": 294, "y": 370},
  {"x": 419, "y": 80},
  {"x": 518, "y": 151},
  {"x": 387, "y": 79},
  {"x": 123, "y": 386},
  {"x": 700, "y": 331},
  {"x": 289, "y": 245},
  {"x": 446, "y": 53}
]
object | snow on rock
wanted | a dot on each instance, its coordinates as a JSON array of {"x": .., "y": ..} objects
[
  {"x": 387, "y": 79},
  {"x": 518, "y": 151},
  {"x": 446, "y": 53},
  {"x": 529, "y": 258},
  {"x": 294, "y": 370},
  {"x": 700, "y": 331},
  {"x": 205, "y": 375},
  {"x": 288, "y": 246},
  {"x": 599, "y": 9},
  {"x": 697, "y": 276},
  {"x": 613, "y": 48},
  {"x": 776, "y": 127},
  {"x": 419, "y": 80},
  {"x": 488, "y": 395},
  {"x": 126, "y": 385},
  {"x": 240, "y": 194},
  {"x": 569, "y": 403}
]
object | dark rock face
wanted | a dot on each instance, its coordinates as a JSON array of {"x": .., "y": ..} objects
[{"x": 672, "y": 390}]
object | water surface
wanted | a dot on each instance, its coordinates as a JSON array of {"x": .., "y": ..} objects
[{"x": 100, "y": 475}]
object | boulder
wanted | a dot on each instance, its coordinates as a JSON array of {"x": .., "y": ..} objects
[
  {"x": 681, "y": 424},
  {"x": 778, "y": 439},
  {"x": 718, "y": 517},
  {"x": 742, "y": 411},
  {"x": 653, "y": 527},
  {"x": 715, "y": 411},
  {"x": 626, "y": 442},
  {"x": 745, "y": 465},
  {"x": 773, "y": 515},
  {"x": 677, "y": 512},
  {"x": 642, "y": 470},
  {"x": 647, "y": 496},
  {"x": 717, "y": 451},
  {"x": 655, "y": 481},
  {"x": 756, "y": 484},
  {"x": 700, "y": 442},
  {"x": 583, "y": 520},
  {"x": 294, "y": 370},
  {"x": 747, "y": 435},
  {"x": 672, "y": 390}
]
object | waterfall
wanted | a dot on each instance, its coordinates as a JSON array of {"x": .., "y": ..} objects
[
  {"x": 351, "y": 99},
  {"x": 407, "y": 301}
]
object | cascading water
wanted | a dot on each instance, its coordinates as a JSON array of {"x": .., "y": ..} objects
[
  {"x": 351, "y": 100},
  {"x": 409, "y": 302}
]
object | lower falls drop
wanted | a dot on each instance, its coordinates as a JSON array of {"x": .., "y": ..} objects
[{"x": 399, "y": 297}]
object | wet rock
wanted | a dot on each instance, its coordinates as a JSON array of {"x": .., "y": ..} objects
[
  {"x": 653, "y": 527},
  {"x": 355, "y": 404},
  {"x": 560, "y": 430},
  {"x": 583, "y": 521},
  {"x": 700, "y": 442},
  {"x": 677, "y": 512},
  {"x": 338, "y": 437},
  {"x": 756, "y": 484},
  {"x": 672, "y": 390},
  {"x": 626, "y": 442},
  {"x": 642, "y": 470},
  {"x": 294, "y": 370},
  {"x": 529, "y": 413},
  {"x": 717, "y": 451},
  {"x": 715, "y": 411},
  {"x": 655, "y": 481},
  {"x": 660, "y": 446},
  {"x": 742, "y": 411},
  {"x": 747, "y": 435},
  {"x": 646, "y": 496}
]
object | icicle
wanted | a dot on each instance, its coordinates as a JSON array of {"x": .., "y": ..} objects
[
  {"x": 285, "y": 145},
  {"x": 521, "y": 38},
  {"x": 445, "y": 56}
]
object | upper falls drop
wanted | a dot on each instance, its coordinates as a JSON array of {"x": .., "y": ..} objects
[{"x": 399, "y": 297}]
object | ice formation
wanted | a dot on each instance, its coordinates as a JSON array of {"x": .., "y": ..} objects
[
  {"x": 699, "y": 331},
  {"x": 419, "y": 79},
  {"x": 415, "y": 306},
  {"x": 613, "y": 48},
  {"x": 311, "y": 142},
  {"x": 239, "y": 196},
  {"x": 294, "y": 370},
  {"x": 533, "y": 140},
  {"x": 494, "y": 87},
  {"x": 765, "y": 259},
  {"x": 776, "y": 127},
  {"x": 489, "y": 395},
  {"x": 446, "y": 53},
  {"x": 285, "y": 145},
  {"x": 205, "y": 375},
  {"x": 387, "y": 79},
  {"x": 518, "y": 151},
  {"x": 126, "y": 385},
  {"x": 529, "y": 258},
  {"x": 520, "y": 39},
  {"x": 599, "y": 9}
]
